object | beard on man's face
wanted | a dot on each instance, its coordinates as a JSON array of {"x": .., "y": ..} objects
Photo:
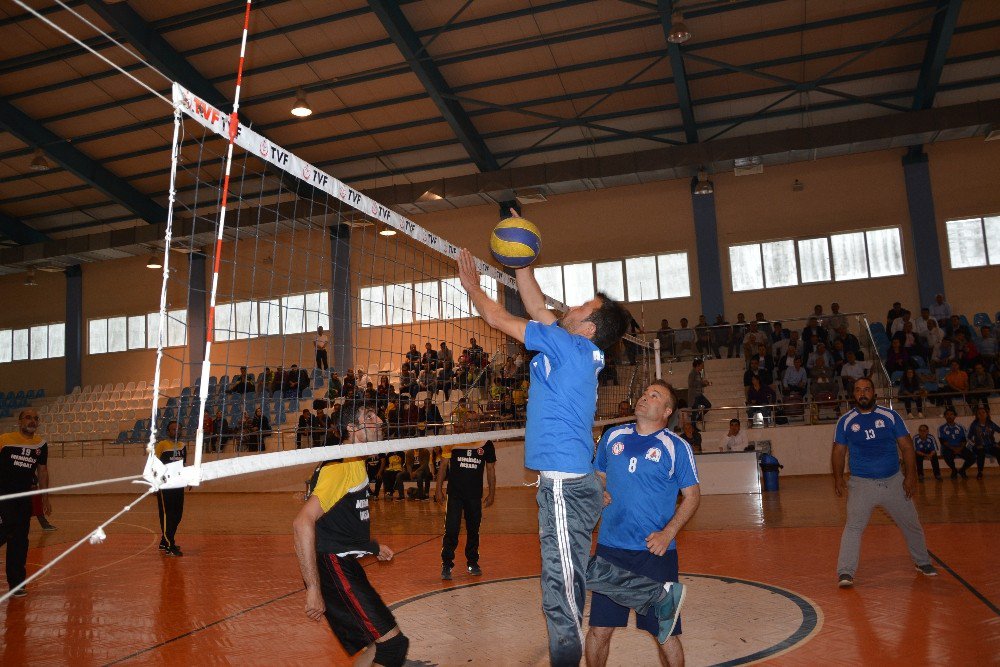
[{"x": 865, "y": 402}]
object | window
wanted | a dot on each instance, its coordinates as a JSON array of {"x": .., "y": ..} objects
[
  {"x": 270, "y": 317},
  {"x": 610, "y": 279},
  {"x": 640, "y": 272},
  {"x": 814, "y": 260},
  {"x": 974, "y": 242},
  {"x": 489, "y": 285},
  {"x": 399, "y": 303},
  {"x": 20, "y": 344},
  {"x": 97, "y": 337},
  {"x": 6, "y": 346},
  {"x": 428, "y": 303},
  {"x": 176, "y": 333},
  {"x": 293, "y": 316},
  {"x": 372, "y": 306},
  {"x": 674, "y": 279},
  {"x": 875, "y": 253},
  {"x": 550, "y": 279},
  {"x": 454, "y": 300},
  {"x": 57, "y": 340},
  {"x": 39, "y": 337},
  {"x": 745, "y": 267},
  {"x": 579, "y": 281},
  {"x": 317, "y": 311},
  {"x": 137, "y": 332}
]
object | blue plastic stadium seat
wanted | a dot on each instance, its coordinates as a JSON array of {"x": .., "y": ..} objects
[
  {"x": 30, "y": 395},
  {"x": 40, "y": 393},
  {"x": 122, "y": 437},
  {"x": 896, "y": 377},
  {"x": 981, "y": 320},
  {"x": 212, "y": 380},
  {"x": 877, "y": 328}
]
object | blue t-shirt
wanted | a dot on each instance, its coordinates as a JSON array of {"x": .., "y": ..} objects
[
  {"x": 645, "y": 474},
  {"x": 562, "y": 399},
  {"x": 926, "y": 445},
  {"x": 871, "y": 441},
  {"x": 952, "y": 435}
]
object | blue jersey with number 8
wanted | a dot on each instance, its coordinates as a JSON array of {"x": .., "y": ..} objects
[{"x": 871, "y": 441}]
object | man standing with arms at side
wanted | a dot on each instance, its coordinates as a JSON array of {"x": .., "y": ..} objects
[
  {"x": 464, "y": 466},
  {"x": 23, "y": 456},
  {"x": 876, "y": 438},
  {"x": 170, "y": 502},
  {"x": 332, "y": 531},
  {"x": 645, "y": 467},
  {"x": 559, "y": 443},
  {"x": 321, "y": 342}
]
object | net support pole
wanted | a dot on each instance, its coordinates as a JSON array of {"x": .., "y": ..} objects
[
  {"x": 341, "y": 313},
  {"x": 656, "y": 359}
]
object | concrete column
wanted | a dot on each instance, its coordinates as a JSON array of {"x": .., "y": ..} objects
[
  {"x": 197, "y": 316},
  {"x": 341, "y": 303},
  {"x": 923, "y": 226},
  {"x": 709, "y": 262},
  {"x": 74, "y": 327}
]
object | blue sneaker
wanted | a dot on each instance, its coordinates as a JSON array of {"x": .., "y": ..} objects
[{"x": 668, "y": 611}]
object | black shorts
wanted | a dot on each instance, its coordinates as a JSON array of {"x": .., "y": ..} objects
[
  {"x": 355, "y": 611},
  {"x": 604, "y": 613}
]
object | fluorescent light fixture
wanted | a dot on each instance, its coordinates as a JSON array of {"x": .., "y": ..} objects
[
  {"x": 154, "y": 262},
  {"x": 388, "y": 231},
  {"x": 39, "y": 163},
  {"x": 703, "y": 186}
]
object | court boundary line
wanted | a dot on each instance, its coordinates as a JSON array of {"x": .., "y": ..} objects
[
  {"x": 247, "y": 610},
  {"x": 972, "y": 589}
]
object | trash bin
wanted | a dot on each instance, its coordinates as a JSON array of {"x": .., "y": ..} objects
[{"x": 770, "y": 466}]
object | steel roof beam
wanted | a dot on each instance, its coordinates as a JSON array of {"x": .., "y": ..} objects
[
  {"x": 20, "y": 233},
  {"x": 942, "y": 29},
  {"x": 679, "y": 73},
  {"x": 80, "y": 165},
  {"x": 406, "y": 40}
]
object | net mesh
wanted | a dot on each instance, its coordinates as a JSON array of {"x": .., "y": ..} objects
[{"x": 300, "y": 250}]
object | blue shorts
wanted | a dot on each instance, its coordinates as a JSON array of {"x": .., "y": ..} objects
[{"x": 607, "y": 614}]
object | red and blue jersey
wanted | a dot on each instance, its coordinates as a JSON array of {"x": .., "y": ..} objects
[
  {"x": 870, "y": 438},
  {"x": 644, "y": 475}
]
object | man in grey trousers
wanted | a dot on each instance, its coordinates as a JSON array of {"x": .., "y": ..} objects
[
  {"x": 559, "y": 444},
  {"x": 876, "y": 438}
]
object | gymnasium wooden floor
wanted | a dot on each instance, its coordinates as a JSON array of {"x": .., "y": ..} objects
[{"x": 761, "y": 572}]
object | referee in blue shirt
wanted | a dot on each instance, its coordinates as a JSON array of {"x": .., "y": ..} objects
[
  {"x": 562, "y": 400},
  {"x": 876, "y": 438}
]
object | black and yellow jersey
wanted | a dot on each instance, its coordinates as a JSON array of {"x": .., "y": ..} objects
[
  {"x": 20, "y": 457},
  {"x": 342, "y": 491},
  {"x": 169, "y": 451}
]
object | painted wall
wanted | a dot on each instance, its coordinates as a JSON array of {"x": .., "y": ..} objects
[{"x": 844, "y": 193}]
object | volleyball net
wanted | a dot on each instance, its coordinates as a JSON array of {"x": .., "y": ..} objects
[{"x": 289, "y": 249}]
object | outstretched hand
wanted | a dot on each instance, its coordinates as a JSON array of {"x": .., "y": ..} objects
[
  {"x": 467, "y": 271},
  {"x": 384, "y": 553}
]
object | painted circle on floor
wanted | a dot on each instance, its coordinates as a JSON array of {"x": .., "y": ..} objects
[{"x": 726, "y": 622}]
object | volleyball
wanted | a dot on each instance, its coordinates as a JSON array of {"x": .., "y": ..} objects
[{"x": 515, "y": 243}]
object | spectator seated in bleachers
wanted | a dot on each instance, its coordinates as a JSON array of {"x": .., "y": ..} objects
[
  {"x": 911, "y": 389},
  {"x": 692, "y": 436},
  {"x": 981, "y": 384},
  {"x": 296, "y": 382},
  {"x": 241, "y": 383},
  {"x": 955, "y": 326},
  {"x": 821, "y": 383},
  {"x": 852, "y": 371},
  {"x": 304, "y": 429},
  {"x": 334, "y": 387},
  {"x": 429, "y": 419},
  {"x": 760, "y": 400},
  {"x": 220, "y": 432},
  {"x": 508, "y": 411},
  {"x": 956, "y": 385},
  {"x": 795, "y": 381},
  {"x": 755, "y": 371},
  {"x": 349, "y": 385},
  {"x": 684, "y": 338},
  {"x": 413, "y": 356},
  {"x": 897, "y": 359},
  {"x": 966, "y": 352}
]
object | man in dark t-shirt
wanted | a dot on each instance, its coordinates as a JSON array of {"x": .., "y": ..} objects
[
  {"x": 23, "y": 456},
  {"x": 464, "y": 465}
]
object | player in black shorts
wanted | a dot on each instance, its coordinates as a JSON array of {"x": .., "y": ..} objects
[
  {"x": 23, "y": 455},
  {"x": 170, "y": 502},
  {"x": 332, "y": 532}
]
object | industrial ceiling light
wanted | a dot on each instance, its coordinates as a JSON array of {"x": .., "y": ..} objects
[
  {"x": 679, "y": 32},
  {"x": 703, "y": 186},
  {"x": 388, "y": 231},
  {"x": 29, "y": 280},
  {"x": 39, "y": 163},
  {"x": 154, "y": 262},
  {"x": 301, "y": 108}
]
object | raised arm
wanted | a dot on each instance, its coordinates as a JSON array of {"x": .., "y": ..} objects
[
  {"x": 532, "y": 297},
  {"x": 491, "y": 311}
]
